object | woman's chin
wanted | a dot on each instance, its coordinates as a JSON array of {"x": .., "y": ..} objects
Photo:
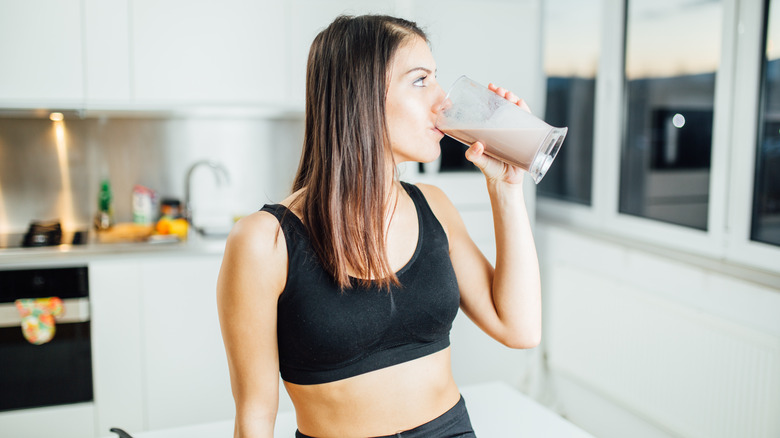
[
  {"x": 424, "y": 158},
  {"x": 432, "y": 154}
]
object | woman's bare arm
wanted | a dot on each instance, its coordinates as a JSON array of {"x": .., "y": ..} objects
[
  {"x": 505, "y": 301},
  {"x": 251, "y": 279}
]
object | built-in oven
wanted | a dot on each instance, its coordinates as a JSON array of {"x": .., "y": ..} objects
[{"x": 57, "y": 372}]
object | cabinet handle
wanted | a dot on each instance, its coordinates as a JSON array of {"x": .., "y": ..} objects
[{"x": 73, "y": 310}]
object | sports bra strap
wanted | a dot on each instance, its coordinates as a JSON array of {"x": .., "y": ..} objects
[{"x": 294, "y": 229}]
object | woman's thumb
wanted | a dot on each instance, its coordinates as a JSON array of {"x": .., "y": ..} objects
[{"x": 475, "y": 155}]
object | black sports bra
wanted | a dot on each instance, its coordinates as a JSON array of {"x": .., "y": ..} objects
[{"x": 325, "y": 334}]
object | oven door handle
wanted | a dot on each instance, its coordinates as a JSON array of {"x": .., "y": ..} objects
[{"x": 73, "y": 310}]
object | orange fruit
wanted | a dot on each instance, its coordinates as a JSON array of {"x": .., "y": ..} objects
[{"x": 163, "y": 226}]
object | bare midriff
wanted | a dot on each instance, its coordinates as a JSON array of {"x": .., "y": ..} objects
[{"x": 382, "y": 402}]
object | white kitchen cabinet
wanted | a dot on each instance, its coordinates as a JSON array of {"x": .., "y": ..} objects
[
  {"x": 158, "y": 356},
  {"x": 186, "y": 379},
  {"x": 107, "y": 45},
  {"x": 117, "y": 352},
  {"x": 490, "y": 41},
  {"x": 308, "y": 18},
  {"x": 495, "y": 41},
  {"x": 148, "y": 55},
  {"x": 140, "y": 55},
  {"x": 42, "y": 53},
  {"x": 63, "y": 421},
  {"x": 198, "y": 52}
]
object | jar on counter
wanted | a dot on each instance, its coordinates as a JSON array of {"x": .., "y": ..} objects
[
  {"x": 170, "y": 208},
  {"x": 171, "y": 220}
]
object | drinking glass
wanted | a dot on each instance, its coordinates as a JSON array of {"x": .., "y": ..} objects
[{"x": 472, "y": 112}]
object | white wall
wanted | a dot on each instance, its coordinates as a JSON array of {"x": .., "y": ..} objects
[{"x": 643, "y": 342}]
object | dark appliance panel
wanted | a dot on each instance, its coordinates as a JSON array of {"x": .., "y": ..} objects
[{"x": 55, "y": 373}]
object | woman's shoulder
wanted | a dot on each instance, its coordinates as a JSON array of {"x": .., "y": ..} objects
[
  {"x": 255, "y": 258},
  {"x": 435, "y": 196},
  {"x": 260, "y": 233},
  {"x": 440, "y": 204},
  {"x": 256, "y": 235}
]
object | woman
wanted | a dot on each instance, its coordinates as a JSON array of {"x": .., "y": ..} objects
[{"x": 350, "y": 285}]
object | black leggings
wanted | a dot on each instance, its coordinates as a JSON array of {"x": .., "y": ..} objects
[{"x": 454, "y": 423}]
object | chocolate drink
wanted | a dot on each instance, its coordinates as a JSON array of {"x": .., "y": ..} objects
[{"x": 514, "y": 146}]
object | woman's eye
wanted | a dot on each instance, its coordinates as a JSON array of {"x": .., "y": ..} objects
[{"x": 419, "y": 81}]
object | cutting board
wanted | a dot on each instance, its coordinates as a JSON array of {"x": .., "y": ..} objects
[{"x": 125, "y": 232}]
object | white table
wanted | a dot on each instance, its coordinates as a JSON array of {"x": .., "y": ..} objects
[
  {"x": 496, "y": 409},
  {"x": 499, "y": 411}
]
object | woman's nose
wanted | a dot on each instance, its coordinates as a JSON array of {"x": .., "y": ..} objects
[{"x": 440, "y": 101}]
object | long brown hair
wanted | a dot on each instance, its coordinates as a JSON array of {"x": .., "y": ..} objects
[{"x": 346, "y": 145}]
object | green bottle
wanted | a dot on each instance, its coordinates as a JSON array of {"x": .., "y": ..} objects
[{"x": 105, "y": 215}]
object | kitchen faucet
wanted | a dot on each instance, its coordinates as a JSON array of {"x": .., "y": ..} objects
[{"x": 220, "y": 172}]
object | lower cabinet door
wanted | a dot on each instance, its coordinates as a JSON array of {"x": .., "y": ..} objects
[{"x": 185, "y": 366}]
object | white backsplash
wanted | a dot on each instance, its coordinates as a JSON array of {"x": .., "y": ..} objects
[{"x": 261, "y": 156}]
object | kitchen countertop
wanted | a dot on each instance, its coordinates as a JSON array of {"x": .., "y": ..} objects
[
  {"x": 66, "y": 255},
  {"x": 496, "y": 410}
]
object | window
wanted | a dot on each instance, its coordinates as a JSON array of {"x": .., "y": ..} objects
[
  {"x": 765, "y": 225},
  {"x": 672, "y": 57},
  {"x": 571, "y": 49},
  {"x": 679, "y": 95}
]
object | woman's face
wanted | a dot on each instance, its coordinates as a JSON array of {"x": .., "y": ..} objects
[{"x": 412, "y": 104}]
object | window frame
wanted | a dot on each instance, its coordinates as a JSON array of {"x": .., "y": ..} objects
[
  {"x": 746, "y": 121},
  {"x": 572, "y": 213},
  {"x": 736, "y": 111}
]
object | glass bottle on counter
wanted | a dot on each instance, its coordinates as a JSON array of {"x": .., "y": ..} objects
[{"x": 105, "y": 215}]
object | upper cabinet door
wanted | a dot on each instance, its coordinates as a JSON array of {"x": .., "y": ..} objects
[
  {"x": 490, "y": 41},
  {"x": 106, "y": 39},
  {"x": 200, "y": 52},
  {"x": 41, "y": 53},
  {"x": 309, "y": 18}
]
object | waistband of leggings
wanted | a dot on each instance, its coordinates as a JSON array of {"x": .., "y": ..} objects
[
  {"x": 451, "y": 416},
  {"x": 439, "y": 423}
]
